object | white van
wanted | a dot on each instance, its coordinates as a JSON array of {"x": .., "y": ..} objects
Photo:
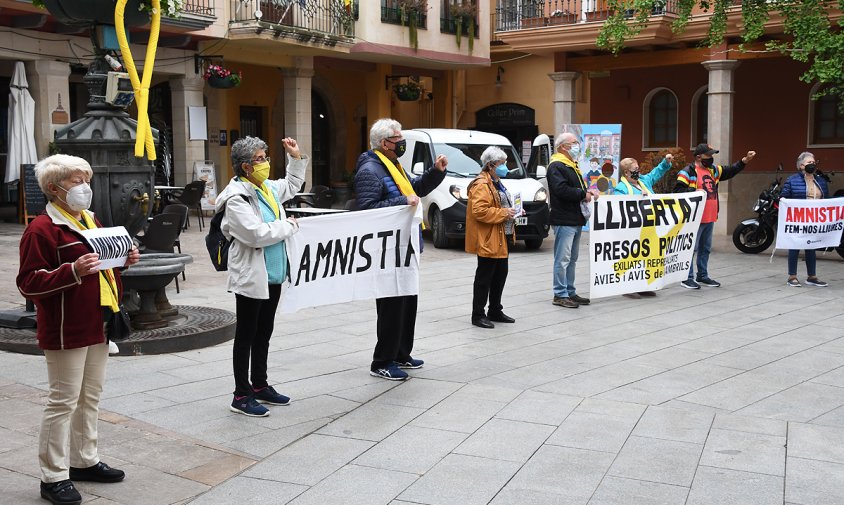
[{"x": 445, "y": 207}]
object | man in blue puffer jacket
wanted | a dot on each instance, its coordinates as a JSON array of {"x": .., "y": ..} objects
[
  {"x": 380, "y": 181},
  {"x": 804, "y": 185}
]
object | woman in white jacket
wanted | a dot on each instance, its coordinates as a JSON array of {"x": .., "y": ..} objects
[{"x": 257, "y": 263}]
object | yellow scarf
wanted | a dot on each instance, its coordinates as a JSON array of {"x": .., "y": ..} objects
[
  {"x": 268, "y": 196},
  {"x": 398, "y": 175},
  {"x": 569, "y": 163},
  {"x": 630, "y": 187},
  {"x": 108, "y": 285}
]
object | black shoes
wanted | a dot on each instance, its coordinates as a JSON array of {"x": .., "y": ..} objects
[
  {"x": 97, "y": 473},
  {"x": 61, "y": 493},
  {"x": 501, "y": 318},
  {"x": 65, "y": 493},
  {"x": 482, "y": 322},
  {"x": 580, "y": 300}
]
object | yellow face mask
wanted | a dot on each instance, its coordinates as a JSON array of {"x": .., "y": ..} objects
[{"x": 260, "y": 172}]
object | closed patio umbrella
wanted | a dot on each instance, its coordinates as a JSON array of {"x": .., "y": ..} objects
[{"x": 21, "y": 125}]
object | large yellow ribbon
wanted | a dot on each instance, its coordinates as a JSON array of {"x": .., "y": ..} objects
[
  {"x": 143, "y": 137},
  {"x": 398, "y": 175}
]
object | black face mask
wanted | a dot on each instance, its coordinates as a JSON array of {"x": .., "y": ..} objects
[
  {"x": 707, "y": 162},
  {"x": 810, "y": 168},
  {"x": 634, "y": 176},
  {"x": 399, "y": 147}
]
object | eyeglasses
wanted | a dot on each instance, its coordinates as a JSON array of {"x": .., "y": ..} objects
[
  {"x": 260, "y": 159},
  {"x": 397, "y": 137}
]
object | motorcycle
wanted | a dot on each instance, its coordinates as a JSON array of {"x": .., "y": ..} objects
[{"x": 754, "y": 235}]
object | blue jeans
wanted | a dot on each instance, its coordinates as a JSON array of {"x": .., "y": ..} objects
[
  {"x": 810, "y": 257},
  {"x": 703, "y": 245},
  {"x": 566, "y": 245}
]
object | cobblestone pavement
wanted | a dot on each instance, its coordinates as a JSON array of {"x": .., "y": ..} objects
[{"x": 718, "y": 396}]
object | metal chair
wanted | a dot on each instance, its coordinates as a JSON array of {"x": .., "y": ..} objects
[
  {"x": 192, "y": 197},
  {"x": 182, "y": 210},
  {"x": 160, "y": 235}
]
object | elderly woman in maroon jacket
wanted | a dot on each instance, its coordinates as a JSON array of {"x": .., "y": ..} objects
[{"x": 75, "y": 301}]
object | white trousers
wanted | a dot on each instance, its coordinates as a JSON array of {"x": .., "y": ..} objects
[{"x": 76, "y": 378}]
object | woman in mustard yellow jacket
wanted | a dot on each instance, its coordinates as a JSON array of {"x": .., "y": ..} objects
[{"x": 490, "y": 227}]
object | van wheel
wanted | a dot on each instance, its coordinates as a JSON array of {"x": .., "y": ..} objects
[
  {"x": 438, "y": 229},
  {"x": 533, "y": 244}
]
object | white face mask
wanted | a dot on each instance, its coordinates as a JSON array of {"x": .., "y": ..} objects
[
  {"x": 574, "y": 151},
  {"x": 78, "y": 197}
]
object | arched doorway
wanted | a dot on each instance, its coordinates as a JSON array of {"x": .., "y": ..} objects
[
  {"x": 321, "y": 138},
  {"x": 514, "y": 121}
]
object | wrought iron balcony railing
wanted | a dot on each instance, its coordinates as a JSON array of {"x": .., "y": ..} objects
[
  {"x": 201, "y": 7},
  {"x": 323, "y": 17},
  {"x": 538, "y": 13}
]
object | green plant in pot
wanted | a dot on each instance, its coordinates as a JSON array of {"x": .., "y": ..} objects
[
  {"x": 409, "y": 91},
  {"x": 411, "y": 12},
  {"x": 464, "y": 11}
]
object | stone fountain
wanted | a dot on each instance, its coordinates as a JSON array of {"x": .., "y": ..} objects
[{"x": 122, "y": 185}]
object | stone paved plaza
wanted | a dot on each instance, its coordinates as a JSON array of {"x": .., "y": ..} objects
[{"x": 726, "y": 396}]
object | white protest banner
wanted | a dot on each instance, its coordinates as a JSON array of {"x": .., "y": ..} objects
[
  {"x": 112, "y": 244},
  {"x": 641, "y": 243},
  {"x": 810, "y": 224},
  {"x": 350, "y": 256}
]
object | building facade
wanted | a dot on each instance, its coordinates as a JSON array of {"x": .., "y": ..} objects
[
  {"x": 320, "y": 71},
  {"x": 664, "y": 89}
]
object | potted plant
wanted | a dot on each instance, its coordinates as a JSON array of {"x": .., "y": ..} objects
[
  {"x": 102, "y": 11},
  {"x": 464, "y": 12},
  {"x": 409, "y": 91},
  {"x": 561, "y": 16},
  {"x": 411, "y": 13},
  {"x": 221, "y": 77}
]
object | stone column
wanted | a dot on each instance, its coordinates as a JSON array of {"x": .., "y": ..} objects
[
  {"x": 185, "y": 92},
  {"x": 47, "y": 81},
  {"x": 297, "y": 108},
  {"x": 565, "y": 95},
  {"x": 720, "y": 133}
]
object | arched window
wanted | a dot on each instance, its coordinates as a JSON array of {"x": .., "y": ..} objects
[
  {"x": 660, "y": 119},
  {"x": 826, "y": 121},
  {"x": 700, "y": 117}
]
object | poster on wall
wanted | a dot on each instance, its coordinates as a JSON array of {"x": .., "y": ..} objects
[
  {"x": 204, "y": 171},
  {"x": 600, "y": 152}
]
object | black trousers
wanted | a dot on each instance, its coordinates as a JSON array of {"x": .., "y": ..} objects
[
  {"x": 255, "y": 321},
  {"x": 490, "y": 277},
  {"x": 396, "y": 327}
]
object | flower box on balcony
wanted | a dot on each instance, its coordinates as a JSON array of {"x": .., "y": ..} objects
[
  {"x": 533, "y": 22},
  {"x": 563, "y": 19}
]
